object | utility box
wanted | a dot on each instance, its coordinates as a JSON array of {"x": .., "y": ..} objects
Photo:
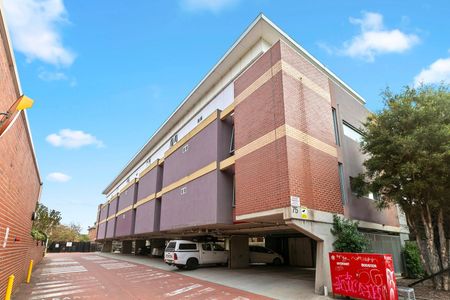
[{"x": 363, "y": 275}]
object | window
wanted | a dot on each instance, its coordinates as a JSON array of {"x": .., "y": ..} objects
[
  {"x": 217, "y": 247},
  {"x": 342, "y": 183},
  {"x": 174, "y": 139},
  {"x": 232, "y": 141},
  {"x": 171, "y": 246},
  {"x": 199, "y": 119},
  {"x": 335, "y": 125},
  {"x": 185, "y": 148},
  {"x": 183, "y": 190},
  {"x": 206, "y": 247},
  {"x": 233, "y": 201},
  {"x": 352, "y": 132},
  {"x": 370, "y": 195},
  {"x": 187, "y": 247}
]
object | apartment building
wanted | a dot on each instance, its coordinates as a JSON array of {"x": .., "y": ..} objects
[
  {"x": 264, "y": 146},
  {"x": 20, "y": 182}
]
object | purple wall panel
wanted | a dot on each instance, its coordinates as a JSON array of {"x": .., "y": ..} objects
[
  {"x": 127, "y": 197},
  {"x": 201, "y": 152},
  {"x": 147, "y": 217},
  {"x": 124, "y": 223},
  {"x": 197, "y": 207},
  {"x": 150, "y": 183},
  {"x": 113, "y": 207},
  {"x": 110, "y": 228},
  {"x": 104, "y": 213},
  {"x": 101, "y": 231}
]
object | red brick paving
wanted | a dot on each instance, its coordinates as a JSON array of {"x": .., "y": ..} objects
[{"x": 71, "y": 276}]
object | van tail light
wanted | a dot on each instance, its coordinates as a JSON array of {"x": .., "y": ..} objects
[{"x": 175, "y": 257}]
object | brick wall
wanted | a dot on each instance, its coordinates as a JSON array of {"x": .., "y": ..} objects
[
  {"x": 284, "y": 135},
  {"x": 19, "y": 183}
]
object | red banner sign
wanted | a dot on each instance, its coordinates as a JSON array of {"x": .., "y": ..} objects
[{"x": 363, "y": 275}]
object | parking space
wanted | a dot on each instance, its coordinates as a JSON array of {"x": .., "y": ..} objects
[
  {"x": 91, "y": 276},
  {"x": 278, "y": 282}
]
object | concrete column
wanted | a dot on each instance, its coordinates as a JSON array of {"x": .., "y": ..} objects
[
  {"x": 239, "y": 252},
  {"x": 140, "y": 244},
  {"x": 127, "y": 246},
  {"x": 320, "y": 232},
  {"x": 323, "y": 274},
  {"x": 107, "y": 246}
]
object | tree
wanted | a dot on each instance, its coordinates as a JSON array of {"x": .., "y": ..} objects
[
  {"x": 408, "y": 148},
  {"x": 67, "y": 233},
  {"x": 348, "y": 238},
  {"x": 46, "y": 220}
]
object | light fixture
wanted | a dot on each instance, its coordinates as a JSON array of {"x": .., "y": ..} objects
[{"x": 9, "y": 117}]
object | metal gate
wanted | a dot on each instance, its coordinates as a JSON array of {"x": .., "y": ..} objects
[{"x": 389, "y": 244}]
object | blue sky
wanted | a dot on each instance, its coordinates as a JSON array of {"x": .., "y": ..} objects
[{"x": 106, "y": 74}]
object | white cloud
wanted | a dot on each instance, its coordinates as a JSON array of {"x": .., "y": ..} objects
[
  {"x": 58, "y": 177},
  {"x": 73, "y": 139},
  {"x": 52, "y": 76},
  {"x": 374, "y": 39},
  {"x": 214, "y": 6},
  {"x": 34, "y": 30},
  {"x": 437, "y": 72}
]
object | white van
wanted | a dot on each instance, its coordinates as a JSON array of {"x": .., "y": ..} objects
[{"x": 182, "y": 253}]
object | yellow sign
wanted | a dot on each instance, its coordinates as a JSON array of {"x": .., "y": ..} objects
[{"x": 24, "y": 103}]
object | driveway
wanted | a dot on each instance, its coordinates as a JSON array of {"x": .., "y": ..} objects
[
  {"x": 278, "y": 282},
  {"x": 91, "y": 276}
]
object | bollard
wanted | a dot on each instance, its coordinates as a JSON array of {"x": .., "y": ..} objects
[
  {"x": 9, "y": 287},
  {"x": 30, "y": 269}
]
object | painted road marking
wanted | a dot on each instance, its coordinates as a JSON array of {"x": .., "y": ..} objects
[
  {"x": 54, "y": 295},
  {"x": 61, "y": 259},
  {"x": 151, "y": 278},
  {"x": 63, "y": 288},
  {"x": 105, "y": 261},
  {"x": 49, "y": 282},
  {"x": 63, "y": 270},
  {"x": 92, "y": 257},
  {"x": 183, "y": 290},
  {"x": 114, "y": 266},
  {"x": 61, "y": 263},
  {"x": 200, "y": 292}
]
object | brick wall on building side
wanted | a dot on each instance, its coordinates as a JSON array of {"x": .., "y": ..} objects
[{"x": 19, "y": 185}]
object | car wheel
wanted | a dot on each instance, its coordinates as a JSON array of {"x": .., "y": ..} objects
[
  {"x": 192, "y": 263},
  {"x": 276, "y": 261}
]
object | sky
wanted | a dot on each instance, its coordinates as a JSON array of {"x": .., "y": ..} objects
[{"x": 106, "y": 74}]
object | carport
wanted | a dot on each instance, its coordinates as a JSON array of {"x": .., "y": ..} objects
[{"x": 278, "y": 282}]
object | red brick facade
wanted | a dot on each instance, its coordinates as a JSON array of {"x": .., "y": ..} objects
[
  {"x": 272, "y": 171},
  {"x": 19, "y": 182}
]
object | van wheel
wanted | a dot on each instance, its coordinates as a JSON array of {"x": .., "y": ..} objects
[
  {"x": 192, "y": 263},
  {"x": 276, "y": 261},
  {"x": 180, "y": 267}
]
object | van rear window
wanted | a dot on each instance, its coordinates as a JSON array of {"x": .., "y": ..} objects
[
  {"x": 187, "y": 247},
  {"x": 171, "y": 246}
]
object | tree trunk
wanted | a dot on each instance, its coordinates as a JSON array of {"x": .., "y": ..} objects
[
  {"x": 433, "y": 258},
  {"x": 443, "y": 249},
  {"x": 422, "y": 251}
]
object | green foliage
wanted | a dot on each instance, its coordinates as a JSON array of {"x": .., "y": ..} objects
[
  {"x": 408, "y": 149},
  {"x": 408, "y": 145},
  {"x": 69, "y": 233},
  {"x": 38, "y": 235},
  {"x": 83, "y": 238},
  {"x": 46, "y": 219},
  {"x": 348, "y": 238},
  {"x": 414, "y": 267}
]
